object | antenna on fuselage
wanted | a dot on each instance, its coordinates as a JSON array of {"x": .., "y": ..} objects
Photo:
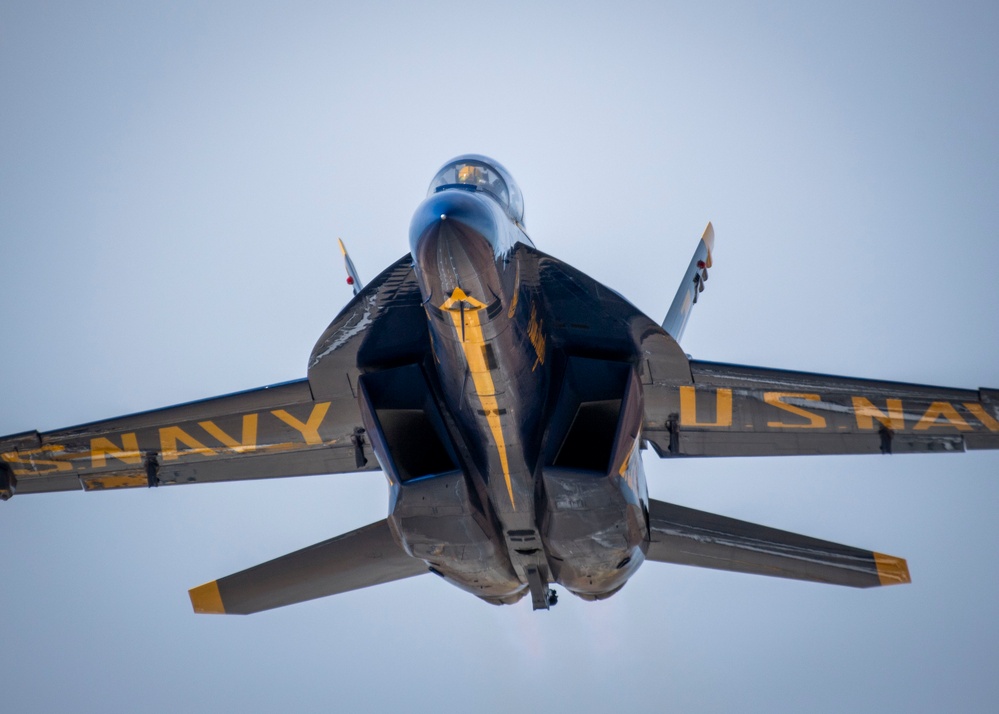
[{"x": 352, "y": 279}]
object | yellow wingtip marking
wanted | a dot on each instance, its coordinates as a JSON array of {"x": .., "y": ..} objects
[
  {"x": 709, "y": 236},
  {"x": 206, "y": 599},
  {"x": 892, "y": 570},
  {"x": 343, "y": 248},
  {"x": 709, "y": 240}
]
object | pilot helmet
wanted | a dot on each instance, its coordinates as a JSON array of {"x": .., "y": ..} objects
[{"x": 480, "y": 173}]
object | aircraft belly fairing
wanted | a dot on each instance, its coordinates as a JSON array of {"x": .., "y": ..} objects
[{"x": 507, "y": 398}]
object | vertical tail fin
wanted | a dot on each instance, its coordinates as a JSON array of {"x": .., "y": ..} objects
[
  {"x": 352, "y": 279},
  {"x": 692, "y": 285}
]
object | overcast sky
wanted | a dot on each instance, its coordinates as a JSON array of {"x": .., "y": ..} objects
[{"x": 173, "y": 178}]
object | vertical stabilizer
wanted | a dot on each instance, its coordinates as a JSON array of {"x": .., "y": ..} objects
[
  {"x": 691, "y": 286},
  {"x": 352, "y": 278}
]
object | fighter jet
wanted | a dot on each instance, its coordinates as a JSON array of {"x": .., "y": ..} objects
[{"x": 508, "y": 398}]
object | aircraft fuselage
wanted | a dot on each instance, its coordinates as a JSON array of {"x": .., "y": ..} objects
[{"x": 537, "y": 478}]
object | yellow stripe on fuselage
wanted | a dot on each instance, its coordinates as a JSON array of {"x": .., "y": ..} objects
[{"x": 473, "y": 344}]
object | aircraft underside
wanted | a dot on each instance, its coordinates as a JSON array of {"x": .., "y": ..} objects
[
  {"x": 532, "y": 474},
  {"x": 508, "y": 399}
]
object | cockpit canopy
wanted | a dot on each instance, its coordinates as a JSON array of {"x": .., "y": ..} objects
[{"x": 475, "y": 172}]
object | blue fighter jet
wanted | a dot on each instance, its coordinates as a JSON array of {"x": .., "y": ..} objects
[{"x": 508, "y": 398}]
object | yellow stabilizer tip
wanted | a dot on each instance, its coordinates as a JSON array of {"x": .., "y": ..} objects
[
  {"x": 892, "y": 570},
  {"x": 206, "y": 599},
  {"x": 343, "y": 249},
  {"x": 709, "y": 240}
]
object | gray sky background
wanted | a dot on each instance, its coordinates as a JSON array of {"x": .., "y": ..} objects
[{"x": 172, "y": 182}]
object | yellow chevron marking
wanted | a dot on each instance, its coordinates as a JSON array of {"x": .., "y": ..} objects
[
  {"x": 459, "y": 296},
  {"x": 473, "y": 345}
]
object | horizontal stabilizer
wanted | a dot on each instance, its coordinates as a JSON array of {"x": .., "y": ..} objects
[
  {"x": 688, "y": 537},
  {"x": 692, "y": 285},
  {"x": 367, "y": 556}
]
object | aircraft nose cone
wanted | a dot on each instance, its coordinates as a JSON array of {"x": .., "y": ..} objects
[
  {"x": 453, "y": 237},
  {"x": 472, "y": 213}
]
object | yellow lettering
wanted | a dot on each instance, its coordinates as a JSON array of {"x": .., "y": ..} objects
[
  {"x": 38, "y": 466},
  {"x": 983, "y": 416},
  {"x": 775, "y": 399},
  {"x": 249, "y": 436},
  {"x": 866, "y": 413},
  {"x": 310, "y": 429},
  {"x": 688, "y": 408},
  {"x": 101, "y": 448},
  {"x": 945, "y": 410},
  {"x": 170, "y": 436}
]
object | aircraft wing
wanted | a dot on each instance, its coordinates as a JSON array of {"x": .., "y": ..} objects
[
  {"x": 733, "y": 410},
  {"x": 310, "y": 426},
  {"x": 274, "y": 431}
]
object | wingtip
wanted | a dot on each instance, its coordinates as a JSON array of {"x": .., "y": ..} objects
[
  {"x": 206, "y": 599},
  {"x": 892, "y": 570},
  {"x": 343, "y": 248}
]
